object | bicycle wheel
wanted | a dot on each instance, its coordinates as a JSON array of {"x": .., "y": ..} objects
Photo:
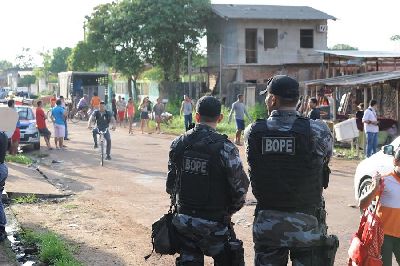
[
  {"x": 102, "y": 152},
  {"x": 73, "y": 117}
]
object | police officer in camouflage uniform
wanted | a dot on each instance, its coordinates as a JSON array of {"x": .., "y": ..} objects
[
  {"x": 206, "y": 171},
  {"x": 288, "y": 159}
]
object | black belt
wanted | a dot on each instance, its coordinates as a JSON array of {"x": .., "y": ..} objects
[{"x": 211, "y": 215}]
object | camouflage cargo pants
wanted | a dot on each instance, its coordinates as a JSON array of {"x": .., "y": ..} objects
[
  {"x": 276, "y": 234},
  {"x": 201, "y": 237}
]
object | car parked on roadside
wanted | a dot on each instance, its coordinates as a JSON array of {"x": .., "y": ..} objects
[
  {"x": 381, "y": 162},
  {"x": 29, "y": 132}
]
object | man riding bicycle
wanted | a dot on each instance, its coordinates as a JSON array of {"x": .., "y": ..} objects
[{"x": 102, "y": 117}]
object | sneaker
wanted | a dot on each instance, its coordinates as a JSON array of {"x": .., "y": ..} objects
[
  {"x": 67, "y": 139},
  {"x": 108, "y": 157},
  {"x": 95, "y": 146}
]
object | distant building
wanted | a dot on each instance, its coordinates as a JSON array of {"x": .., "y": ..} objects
[{"x": 259, "y": 41}]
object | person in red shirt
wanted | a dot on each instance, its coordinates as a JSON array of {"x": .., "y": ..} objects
[{"x": 41, "y": 124}]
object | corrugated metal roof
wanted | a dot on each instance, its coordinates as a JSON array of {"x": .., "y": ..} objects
[
  {"x": 268, "y": 12},
  {"x": 361, "y": 54},
  {"x": 82, "y": 73},
  {"x": 354, "y": 80}
]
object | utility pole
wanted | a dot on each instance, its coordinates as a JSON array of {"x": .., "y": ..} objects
[
  {"x": 220, "y": 71},
  {"x": 190, "y": 71}
]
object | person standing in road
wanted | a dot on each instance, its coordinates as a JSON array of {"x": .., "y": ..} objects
[
  {"x": 288, "y": 159},
  {"x": 102, "y": 118},
  {"x": 121, "y": 106},
  {"x": 114, "y": 106},
  {"x": 240, "y": 110},
  {"x": 145, "y": 109},
  {"x": 15, "y": 138},
  {"x": 371, "y": 128},
  {"x": 66, "y": 108},
  {"x": 388, "y": 210},
  {"x": 58, "y": 116},
  {"x": 41, "y": 124},
  {"x": 3, "y": 177},
  {"x": 187, "y": 110},
  {"x": 130, "y": 112},
  {"x": 314, "y": 113},
  {"x": 206, "y": 173},
  {"x": 158, "y": 109}
]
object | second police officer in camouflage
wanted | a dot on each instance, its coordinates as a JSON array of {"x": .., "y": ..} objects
[
  {"x": 288, "y": 157},
  {"x": 206, "y": 171}
]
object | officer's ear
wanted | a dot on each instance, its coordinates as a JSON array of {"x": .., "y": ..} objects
[
  {"x": 197, "y": 118},
  {"x": 220, "y": 118}
]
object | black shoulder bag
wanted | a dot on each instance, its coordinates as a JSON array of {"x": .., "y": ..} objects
[{"x": 164, "y": 236}]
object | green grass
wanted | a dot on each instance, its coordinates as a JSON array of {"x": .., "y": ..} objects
[
  {"x": 19, "y": 158},
  {"x": 71, "y": 206},
  {"x": 52, "y": 249},
  {"x": 30, "y": 199},
  {"x": 349, "y": 154},
  {"x": 176, "y": 127}
]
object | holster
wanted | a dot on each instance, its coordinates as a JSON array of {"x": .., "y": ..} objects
[
  {"x": 326, "y": 171},
  {"x": 329, "y": 248},
  {"x": 234, "y": 249}
]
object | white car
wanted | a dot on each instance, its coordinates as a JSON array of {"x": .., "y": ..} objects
[{"x": 381, "y": 162}]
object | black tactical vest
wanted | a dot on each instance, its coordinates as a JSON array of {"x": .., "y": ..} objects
[
  {"x": 285, "y": 173},
  {"x": 102, "y": 119},
  {"x": 204, "y": 189}
]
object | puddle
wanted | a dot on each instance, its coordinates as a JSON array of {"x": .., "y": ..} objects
[{"x": 24, "y": 255}]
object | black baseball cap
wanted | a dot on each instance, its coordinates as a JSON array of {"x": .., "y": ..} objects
[
  {"x": 208, "y": 106},
  {"x": 282, "y": 85},
  {"x": 102, "y": 102}
]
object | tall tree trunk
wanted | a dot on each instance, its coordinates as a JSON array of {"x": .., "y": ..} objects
[{"x": 130, "y": 87}]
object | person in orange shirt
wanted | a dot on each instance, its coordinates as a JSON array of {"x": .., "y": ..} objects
[
  {"x": 388, "y": 210},
  {"x": 95, "y": 101},
  {"x": 53, "y": 101}
]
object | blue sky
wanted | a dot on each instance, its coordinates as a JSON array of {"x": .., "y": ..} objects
[{"x": 46, "y": 24}]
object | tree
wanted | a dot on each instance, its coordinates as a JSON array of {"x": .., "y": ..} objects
[
  {"x": 82, "y": 57},
  {"x": 113, "y": 31},
  {"x": 24, "y": 59},
  {"x": 169, "y": 29},
  {"x": 4, "y": 64},
  {"x": 59, "y": 62},
  {"x": 26, "y": 81},
  {"x": 342, "y": 46},
  {"x": 395, "y": 38}
]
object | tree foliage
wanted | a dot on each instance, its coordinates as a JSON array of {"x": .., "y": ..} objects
[
  {"x": 342, "y": 46},
  {"x": 26, "y": 81},
  {"x": 24, "y": 59},
  {"x": 169, "y": 28},
  {"x": 126, "y": 34},
  {"x": 82, "y": 57},
  {"x": 395, "y": 38},
  {"x": 59, "y": 61},
  {"x": 4, "y": 64}
]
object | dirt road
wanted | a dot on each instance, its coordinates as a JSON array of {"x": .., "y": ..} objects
[{"x": 110, "y": 216}]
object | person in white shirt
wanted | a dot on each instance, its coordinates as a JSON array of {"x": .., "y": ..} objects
[{"x": 371, "y": 128}]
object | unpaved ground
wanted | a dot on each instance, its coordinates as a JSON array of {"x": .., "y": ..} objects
[{"x": 110, "y": 216}]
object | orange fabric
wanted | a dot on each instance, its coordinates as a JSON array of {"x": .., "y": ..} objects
[
  {"x": 95, "y": 101},
  {"x": 53, "y": 101},
  {"x": 389, "y": 209},
  {"x": 131, "y": 110},
  {"x": 40, "y": 118},
  {"x": 16, "y": 136}
]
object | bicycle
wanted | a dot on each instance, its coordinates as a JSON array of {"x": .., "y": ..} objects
[
  {"x": 76, "y": 115},
  {"x": 101, "y": 139}
]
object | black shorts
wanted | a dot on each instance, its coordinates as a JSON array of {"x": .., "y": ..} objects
[
  {"x": 44, "y": 132},
  {"x": 144, "y": 115}
]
